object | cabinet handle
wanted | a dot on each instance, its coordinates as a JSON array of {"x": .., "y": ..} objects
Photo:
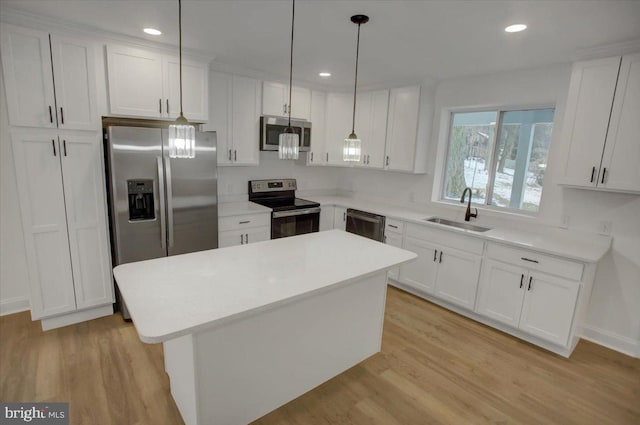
[
  {"x": 387, "y": 162},
  {"x": 229, "y": 154},
  {"x": 246, "y": 238},
  {"x": 284, "y": 108},
  {"x": 327, "y": 156},
  {"x": 235, "y": 155},
  {"x": 604, "y": 172},
  {"x": 53, "y": 143},
  {"x": 393, "y": 226},
  {"x": 593, "y": 173},
  {"x": 344, "y": 216},
  {"x": 245, "y": 222},
  {"x": 440, "y": 257},
  {"x": 241, "y": 240},
  {"x": 160, "y": 105},
  {"x": 530, "y": 279},
  {"x": 167, "y": 106},
  {"x": 521, "y": 280},
  {"x": 368, "y": 159},
  {"x": 435, "y": 255},
  {"x": 61, "y": 115},
  {"x": 50, "y": 115},
  {"x": 64, "y": 147},
  {"x": 529, "y": 260},
  {"x": 311, "y": 156}
]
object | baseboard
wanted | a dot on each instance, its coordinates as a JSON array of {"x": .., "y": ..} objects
[
  {"x": 611, "y": 340},
  {"x": 76, "y": 317},
  {"x": 14, "y": 305}
]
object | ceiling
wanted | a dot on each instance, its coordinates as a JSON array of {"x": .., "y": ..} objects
[{"x": 406, "y": 41}]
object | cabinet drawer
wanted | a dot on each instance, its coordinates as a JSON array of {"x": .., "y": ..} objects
[
  {"x": 393, "y": 225},
  {"x": 446, "y": 238},
  {"x": 536, "y": 261},
  {"x": 243, "y": 221}
]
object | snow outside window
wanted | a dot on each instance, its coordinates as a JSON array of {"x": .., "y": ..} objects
[{"x": 501, "y": 155}]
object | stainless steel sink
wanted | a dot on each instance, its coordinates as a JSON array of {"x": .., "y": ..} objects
[{"x": 465, "y": 226}]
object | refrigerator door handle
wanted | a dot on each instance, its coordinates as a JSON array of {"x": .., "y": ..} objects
[
  {"x": 163, "y": 229},
  {"x": 169, "y": 202}
]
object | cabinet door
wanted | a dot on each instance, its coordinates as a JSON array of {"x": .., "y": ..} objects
[
  {"x": 364, "y": 127},
  {"x": 221, "y": 111},
  {"x": 393, "y": 239},
  {"x": 457, "y": 280},
  {"x": 26, "y": 63},
  {"x": 274, "y": 98},
  {"x": 40, "y": 192},
  {"x": 326, "y": 217},
  {"x": 587, "y": 116},
  {"x": 74, "y": 72},
  {"x": 300, "y": 103},
  {"x": 548, "y": 307},
  {"x": 135, "y": 82},
  {"x": 340, "y": 218},
  {"x": 257, "y": 234},
  {"x": 231, "y": 238},
  {"x": 502, "y": 288},
  {"x": 379, "y": 111},
  {"x": 245, "y": 120},
  {"x": 402, "y": 128},
  {"x": 317, "y": 154},
  {"x": 420, "y": 273},
  {"x": 622, "y": 150},
  {"x": 83, "y": 176},
  {"x": 339, "y": 115},
  {"x": 195, "y": 89}
]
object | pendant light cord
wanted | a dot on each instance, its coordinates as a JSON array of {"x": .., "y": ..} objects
[
  {"x": 180, "y": 44},
  {"x": 293, "y": 16},
  {"x": 355, "y": 87}
]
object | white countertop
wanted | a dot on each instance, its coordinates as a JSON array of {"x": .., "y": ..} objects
[
  {"x": 174, "y": 296},
  {"x": 576, "y": 245},
  {"x": 241, "y": 208}
]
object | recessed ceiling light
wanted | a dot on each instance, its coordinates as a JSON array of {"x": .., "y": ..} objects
[
  {"x": 516, "y": 28},
  {"x": 324, "y": 74},
  {"x": 152, "y": 31}
]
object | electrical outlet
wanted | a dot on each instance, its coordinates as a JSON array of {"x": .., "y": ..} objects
[{"x": 605, "y": 227}]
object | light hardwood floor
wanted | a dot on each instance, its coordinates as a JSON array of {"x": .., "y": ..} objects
[{"x": 435, "y": 367}]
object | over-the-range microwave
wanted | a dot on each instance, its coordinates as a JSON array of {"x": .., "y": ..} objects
[{"x": 271, "y": 127}]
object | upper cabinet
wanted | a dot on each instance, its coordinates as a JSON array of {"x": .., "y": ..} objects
[
  {"x": 371, "y": 127},
  {"x": 601, "y": 124},
  {"x": 275, "y": 101},
  {"x": 402, "y": 129},
  {"x": 338, "y": 126},
  {"x": 235, "y": 117},
  {"x": 317, "y": 153},
  {"x": 49, "y": 80},
  {"x": 147, "y": 84}
]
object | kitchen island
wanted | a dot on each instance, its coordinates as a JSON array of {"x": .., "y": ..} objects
[{"x": 248, "y": 328}]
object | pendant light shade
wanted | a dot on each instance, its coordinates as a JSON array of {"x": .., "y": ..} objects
[
  {"x": 352, "y": 151},
  {"x": 289, "y": 143},
  {"x": 182, "y": 135}
]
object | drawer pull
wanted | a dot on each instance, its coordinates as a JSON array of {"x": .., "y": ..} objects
[
  {"x": 530, "y": 279},
  {"x": 529, "y": 260},
  {"x": 391, "y": 225},
  {"x": 521, "y": 280},
  {"x": 245, "y": 222}
]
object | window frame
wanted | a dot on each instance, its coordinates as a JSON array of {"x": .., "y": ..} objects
[{"x": 494, "y": 163}]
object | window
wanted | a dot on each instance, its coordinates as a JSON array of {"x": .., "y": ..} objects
[{"x": 500, "y": 155}]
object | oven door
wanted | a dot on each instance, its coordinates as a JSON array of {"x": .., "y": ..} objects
[{"x": 294, "y": 222}]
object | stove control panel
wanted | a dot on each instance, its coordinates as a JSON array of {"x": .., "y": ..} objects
[{"x": 257, "y": 186}]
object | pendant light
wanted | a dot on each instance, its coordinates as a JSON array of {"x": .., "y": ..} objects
[
  {"x": 352, "y": 150},
  {"x": 182, "y": 135},
  {"x": 289, "y": 143}
]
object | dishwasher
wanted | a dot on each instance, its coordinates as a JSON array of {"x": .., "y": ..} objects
[{"x": 365, "y": 224}]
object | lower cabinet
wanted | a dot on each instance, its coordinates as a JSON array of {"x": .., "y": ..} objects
[
  {"x": 421, "y": 272},
  {"x": 61, "y": 193},
  {"x": 243, "y": 229},
  {"x": 535, "y": 302},
  {"x": 340, "y": 218},
  {"x": 327, "y": 213},
  {"x": 393, "y": 236}
]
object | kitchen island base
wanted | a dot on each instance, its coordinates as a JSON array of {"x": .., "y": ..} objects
[{"x": 238, "y": 371}]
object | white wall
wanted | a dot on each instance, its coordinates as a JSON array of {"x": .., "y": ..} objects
[{"x": 614, "y": 314}]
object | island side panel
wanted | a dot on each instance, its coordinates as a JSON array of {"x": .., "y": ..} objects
[
  {"x": 179, "y": 363},
  {"x": 252, "y": 366}
]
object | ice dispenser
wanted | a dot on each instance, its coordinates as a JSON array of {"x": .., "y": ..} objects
[{"x": 141, "y": 199}]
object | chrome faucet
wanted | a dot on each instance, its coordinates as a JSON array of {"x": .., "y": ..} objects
[{"x": 468, "y": 214}]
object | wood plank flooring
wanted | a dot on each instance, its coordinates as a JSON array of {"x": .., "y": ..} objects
[{"x": 435, "y": 367}]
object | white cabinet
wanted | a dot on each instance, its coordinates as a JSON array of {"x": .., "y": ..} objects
[
  {"x": 402, "y": 129},
  {"x": 275, "y": 100},
  {"x": 35, "y": 63},
  {"x": 371, "y": 127},
  {"x": 338, "y": 126},
  {"x": 447, "y": 267},
  {"x": 394, "y": 235},
  {"x": 527, "y": 298},
  {"x": 243, "y": 229},
  {"x": 146, "y": 84},
  {"x": 327, "y": 213},
  {"x": 317, "y": 154},
  {"x": 235, "y": 116},
  {"x": 340, "y": 218},
  {"x": 601, "y": 124},
  {"x": 61, "y": 194}
]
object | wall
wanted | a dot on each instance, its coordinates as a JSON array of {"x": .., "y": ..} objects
[{"x": 614, "y": 314}]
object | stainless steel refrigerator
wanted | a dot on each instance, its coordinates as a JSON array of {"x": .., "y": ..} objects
[{"x": 158, "y": 206}]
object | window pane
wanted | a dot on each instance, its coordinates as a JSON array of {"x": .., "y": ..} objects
[
  {"x": 523, "y": 149},
  {"x": 469, "y": 155}
]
